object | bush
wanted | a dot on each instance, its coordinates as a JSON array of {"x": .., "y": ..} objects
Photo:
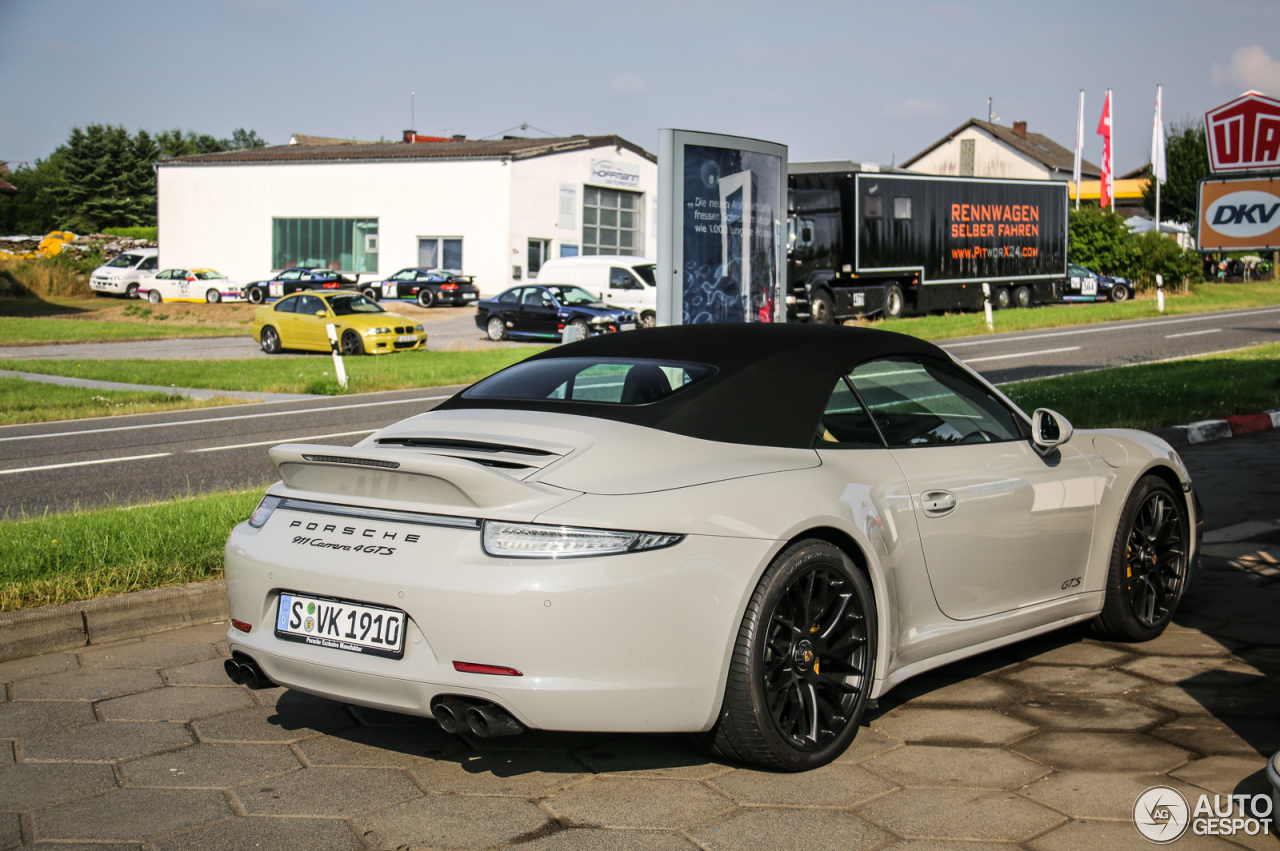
[
  {"x": 1155, "y": 254},
  {"x": 43, "y": 278},
  {"x": 1098, "y": 239},
  {"x": 149, "y": 234}
]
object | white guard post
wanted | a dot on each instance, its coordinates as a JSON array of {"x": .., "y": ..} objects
[
  {"x": 570, "y": 334},
  {"x": 1160, "y": 293},
  {"x": 337, "y": 356},
  {"x": 986, "y": 306}
]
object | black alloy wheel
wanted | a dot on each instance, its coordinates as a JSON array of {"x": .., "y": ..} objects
[
  {"x": 351, "y": 343},
  {"x": 821, "y": 309},
  {"x": 1003, "y": 301},
  {"x": 426, "y": 298},
  {"x": 1119, "y": 292},
  {"x": 803, "y": 665},
  {"x": 256, "y": 295},
  {"x": 213, "y": 296},
  {"x": 495, "y": 329},
  {"x": 270, "y": 340},
  {"x": 1022, "y": 296},
  {"x": 131, "y": 291},
  {"x": 894, "y": 303},
  {"x": 1149, "y": 562}
]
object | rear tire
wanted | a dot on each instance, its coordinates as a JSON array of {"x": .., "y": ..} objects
[
  {"x": 812, "y": 609},
  {"x": 821, "y": 310},
  {"x": 1003, "y": 301},
  {"x": 1022, "y": 296},
  {"x": 426, "y": 298},
  {"x": 154, "y": 297},
  {"x": 256, "y": 295},
  {"x": 1149, "y": 565},
  {"x": 495, "y": 329},
  {"x": 213, "y": 297},
  {"x": 894, "y": 303},
  {"x": 1119, "y": 292},
  {"x": 270, "y": 340},
  {"x": 369, "y": 293}
]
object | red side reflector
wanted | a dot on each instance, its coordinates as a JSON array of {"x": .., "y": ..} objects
[
  {"x": 496, "y": 670},
  {"x": 241, "y": 625}
]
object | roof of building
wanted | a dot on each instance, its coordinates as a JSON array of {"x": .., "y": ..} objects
[
  {"x": 832, "y": 166},
  {"x": 514, "y": 149},
  {"x": 1037, "y": 146}
]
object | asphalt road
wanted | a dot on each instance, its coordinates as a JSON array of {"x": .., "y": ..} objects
[{"x": 55, "y": 466}]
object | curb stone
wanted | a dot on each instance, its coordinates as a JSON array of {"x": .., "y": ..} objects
[
  {"x": 1207, "y": 430},
  {"x": 47, "y": 629}
]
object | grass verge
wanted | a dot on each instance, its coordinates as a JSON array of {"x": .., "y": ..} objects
[
  {"x": 34, "y": 402},
  {"x": 402, "y": 371},
  {"x": 20, "y": 329},
  {"x": 1202, "y": 298},
  {"x": 1157, "y": 395},
  {"x": 78, "y": 556}
]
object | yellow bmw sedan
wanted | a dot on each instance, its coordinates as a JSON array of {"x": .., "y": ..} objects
[{"x": 298, "y": 322}]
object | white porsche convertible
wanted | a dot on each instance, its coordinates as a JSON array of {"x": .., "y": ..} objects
[{"x": 743, "y": 532}]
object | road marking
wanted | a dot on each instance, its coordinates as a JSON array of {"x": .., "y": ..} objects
[
  {"x": 83, "y": 463},
  {"x": 1127, "y": 365},
  {"x": 1194, "y": 333},
  {"x": 1024, "y": 354},
  {"x": 225, "y": 419},
  {"x": 284, "y": 440},
  {"x": 1095, "y": 329}
]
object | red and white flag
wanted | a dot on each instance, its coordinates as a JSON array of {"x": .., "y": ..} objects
[{"x": 1107, "y": 197}]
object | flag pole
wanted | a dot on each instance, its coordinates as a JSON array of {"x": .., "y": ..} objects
[
  {"x": 1075, "y": 172},
  {"x": 1160, "y": 130}
]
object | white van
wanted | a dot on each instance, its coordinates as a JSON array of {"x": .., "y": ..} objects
[
  {"x": 619, "y": 281},
  {"x": 121, "y": 275}
]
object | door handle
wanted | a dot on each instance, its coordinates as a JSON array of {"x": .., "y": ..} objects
[{"x": 937, "y": 503}]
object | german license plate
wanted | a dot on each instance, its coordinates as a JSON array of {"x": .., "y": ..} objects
[
  {"x": 341, "y": 625},
  {"x": 407, "y": 338},
  {"x": 628, "y": 326}
]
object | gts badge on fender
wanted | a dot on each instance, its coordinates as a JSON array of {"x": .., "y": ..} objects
[
  {"x": 350, "y": 531},
  {"x": 1073, "y": 582}
]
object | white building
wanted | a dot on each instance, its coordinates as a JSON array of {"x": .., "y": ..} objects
[
  {"x": 494, "y": 209},
  {"x": 982, "y": 149}
]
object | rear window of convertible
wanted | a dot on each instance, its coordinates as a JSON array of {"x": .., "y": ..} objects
[{"x": 618, "y": 381}]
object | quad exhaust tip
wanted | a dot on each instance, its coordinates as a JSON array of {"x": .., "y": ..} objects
[
  {"x": 243, "y": 671},
  {"x": 484, "y": 720}
]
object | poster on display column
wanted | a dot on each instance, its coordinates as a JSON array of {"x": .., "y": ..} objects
[{"x": 720, "y": 249}]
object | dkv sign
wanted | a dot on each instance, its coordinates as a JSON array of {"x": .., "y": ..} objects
[{"x": 1239, "y": 214}]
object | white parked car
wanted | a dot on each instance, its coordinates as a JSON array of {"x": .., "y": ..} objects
[
  {"x": 198, "y": 285},
  {"x": 122, "y": 274},
  {"x": 743, "y": 532},
  {"x": 619, "y": 281}
]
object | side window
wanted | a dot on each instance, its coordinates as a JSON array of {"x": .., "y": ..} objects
[
  {"x": 149, "y": 264},
  {"x": 510, "y": 297},
  {"x": 309, "y": 304},
  {"x": 621, "y": 279},
  {"x": 931, "y": 403},
  {"x": 291, "y": 275},
  {"x": 902, "y": 207},
  {"x": 872, "y": 206},
  {"x": 405, "y": 275},
  {"x": 845, "y": 423},
  {"x": 286, "y": 305}
]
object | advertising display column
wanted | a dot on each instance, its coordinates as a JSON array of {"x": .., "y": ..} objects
[{"x": 721, "y": 250}]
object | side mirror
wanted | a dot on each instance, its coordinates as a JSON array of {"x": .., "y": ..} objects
[
  {"x": 322, "y": 313},
  {"x": 1049, "y": 430}
]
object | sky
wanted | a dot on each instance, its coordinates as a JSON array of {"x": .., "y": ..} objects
[{"x": 871, "y": 82}]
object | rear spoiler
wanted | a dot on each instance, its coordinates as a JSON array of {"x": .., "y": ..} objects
[{"x": 407, "y": 476}]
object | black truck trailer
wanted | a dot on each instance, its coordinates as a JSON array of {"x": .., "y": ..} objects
[{"x": 864, "y": 243}]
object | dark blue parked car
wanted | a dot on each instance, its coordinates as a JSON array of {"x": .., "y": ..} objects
[
  {"x": 1087, "y": 285},
  {"x": 428, "y": 287},
  {"x": 536, "y": 311}
]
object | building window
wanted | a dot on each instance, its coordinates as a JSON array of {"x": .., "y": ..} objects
[
  {"x": 612, "y": 222},
  {"x": 341, "y": 245},
  {"x": 568, "y": 250},
  {"x": 539, "y": 251},
  {"x": 902, "y": 207},
  {"x": 440, "y": 252},
  {"x": 966, "y": 158}
]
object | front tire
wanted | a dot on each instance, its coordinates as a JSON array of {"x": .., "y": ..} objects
[
  {"x": 352, "y": 345},
  {"x": 648, "y": 319},
  {"x": 213, "y": 297},
  {"x": 1119, "y": 292},
  {"x": 131, "y": 291},
  {"x": 426, "y": 298},
  {"x": 803, "y": 664},
  {"x": 1149, "y": 564},
  {"x": 584, "y": 330},
  {"x": 1003, "y": 301},
  {"x": 1022, "y": 296},
  {"x": 894, "y": 303},
  {"x": 821, "y": 310},
  {"x": 495, "y": 329},
  {"x": 256, "y": 295},
  {"x": 154, "y": 297},
  {"x": 270, "y": 341}
]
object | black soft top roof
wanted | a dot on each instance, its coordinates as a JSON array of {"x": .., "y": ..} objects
[{"x": 772, "y": 383}]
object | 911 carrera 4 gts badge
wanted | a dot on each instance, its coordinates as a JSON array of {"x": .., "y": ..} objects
[{"x": 352, "y": 531}]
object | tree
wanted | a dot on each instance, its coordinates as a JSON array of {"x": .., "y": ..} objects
[
  {"x": 1187, "y": 161},
  {"x": 1099, "y": 240},
  {"x": 174, "y": 143},
  {"x": 107, "y": 179},
  {"x": 241, "y": 139},
  {"x": 34, "y": 210}
]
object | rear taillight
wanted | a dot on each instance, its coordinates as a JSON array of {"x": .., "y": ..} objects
[
  {"x": 333, "y": 286},
  {"x": 448, "y": 286}
]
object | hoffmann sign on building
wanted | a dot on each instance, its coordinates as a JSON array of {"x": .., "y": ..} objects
[{"x": 1241, "y": 214}]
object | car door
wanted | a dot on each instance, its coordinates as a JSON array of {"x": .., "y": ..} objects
[
  {"x": 284, "y": 283},
  {"x": 157, "y": 281},
  {"x": 284, "y": 319},
  {"x": 181, "y": 285},
  {"x": 309, "y": 329},
  {"x": 393, "y": 287},
  {"x": 539, "y": 312},
  {"x": 624, "y": 289},
  {"x": 1001, "y": 526}
]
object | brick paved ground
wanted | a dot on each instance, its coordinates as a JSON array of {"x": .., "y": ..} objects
[{"x": 1045, "y": 745}]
